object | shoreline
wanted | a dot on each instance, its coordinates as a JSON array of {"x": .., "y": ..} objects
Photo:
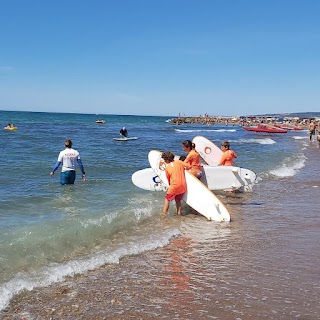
[
  {"x": 161, "y": 283},
  {"x": 241, "y": 121}
]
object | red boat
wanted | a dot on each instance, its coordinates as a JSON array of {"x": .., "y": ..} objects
[
  {"x": 265, "y": 128},
  {"x": 288, "y": 127}
]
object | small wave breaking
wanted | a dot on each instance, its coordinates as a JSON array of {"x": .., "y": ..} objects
[
  {"x": 58, "y": 272},
  {"x": 204, "y": 130},
  {"x": 259, "y": 141},
  {"x": 289, "y": 167}
]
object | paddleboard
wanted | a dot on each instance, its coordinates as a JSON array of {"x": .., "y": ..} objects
[
  {"x": 208, "y": 151},
  {"x": 198, "y": 196},
  {"x": 215, "y": 178},
  {"x": 125, "y": 139}
]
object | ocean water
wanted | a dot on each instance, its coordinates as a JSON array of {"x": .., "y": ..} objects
[{"x": 50, "y": 232}]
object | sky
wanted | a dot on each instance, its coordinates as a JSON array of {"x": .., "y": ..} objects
[{"x": 152, "y": 57}]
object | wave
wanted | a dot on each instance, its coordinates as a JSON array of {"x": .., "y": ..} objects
[
  {"x": 205, "y": 130},
  {"x": 300, "y": 137},
  {"x": 58, "y": 272},
  {"x": 289, "y": 167},
  {"x": 260, "y": 141}
]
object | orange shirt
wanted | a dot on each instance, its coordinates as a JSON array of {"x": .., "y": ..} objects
[
  {"x": 226, "y": 158},
  {"x": 175, "y": 175},
  {"x": 193, "y": 159}
]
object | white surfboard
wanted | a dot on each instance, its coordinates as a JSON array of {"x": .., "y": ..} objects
[
  {"x": 147, "y": 179},
  {"x": 215, "y": 178},
  {"x": 208, "y": 151},
  {"x": 125, "y": 138},
  {"x": 198, "y": 196}
]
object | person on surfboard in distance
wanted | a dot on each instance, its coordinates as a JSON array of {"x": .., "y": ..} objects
[
  {"x": 193, "y": 158},
  {"x": 124, "y": 132},
  {"x": 227, "y": 156},
  {"x": 177, "y": 181},
  {"x": 69, "y": 158}
]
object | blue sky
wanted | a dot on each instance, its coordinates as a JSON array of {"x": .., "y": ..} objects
[{"x": 160, "y": 57}]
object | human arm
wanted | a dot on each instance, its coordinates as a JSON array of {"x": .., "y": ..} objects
[
  {"x": 56, "y": 166},
  {"x": 82, "y": 169},
  {"x": 186, "y": 165},
  {"x": 222, "y": 160}
]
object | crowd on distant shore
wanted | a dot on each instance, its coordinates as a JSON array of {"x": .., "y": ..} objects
[{"x": 243, "y": 120}]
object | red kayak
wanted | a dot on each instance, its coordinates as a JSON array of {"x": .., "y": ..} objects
[{"x": 265, "y": 128}]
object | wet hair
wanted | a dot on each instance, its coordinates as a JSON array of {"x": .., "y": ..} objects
[
  {"x": 168, "y": 156},
  {"x": 68, "y": 143},
  {"x": 225, "y": 144},
  {"x": 188, "y": 144},
  {"x": 182, "y": 158}
]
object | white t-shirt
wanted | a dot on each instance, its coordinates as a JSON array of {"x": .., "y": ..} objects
[{"x": 69, "y": 158}]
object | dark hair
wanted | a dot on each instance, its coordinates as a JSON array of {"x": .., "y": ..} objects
[
  {"x": 187, "y": 144},
  {"x": 68, "y": 143},
  {"x": 225, "y": 144},
  {"x": 182, "y": 158},
  {"x": 168, "y": 156}
]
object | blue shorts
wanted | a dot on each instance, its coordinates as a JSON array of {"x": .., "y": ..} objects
[{"x": 67, "y": 177}]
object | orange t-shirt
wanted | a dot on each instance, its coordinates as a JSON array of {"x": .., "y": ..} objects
[
  {"x": 175, "y": 175},
  {"x": 226, "y": 158},
  {"x": 193, "y": 159}
]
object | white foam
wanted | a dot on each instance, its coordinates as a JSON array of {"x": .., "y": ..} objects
[
  {"x": 300, "y": 137},
  {"x": 205, "y": 130},
  {"x": 289, "y": 168},
  {"x": 58, "y": 272},
  {"x": 259, "y": 141}
]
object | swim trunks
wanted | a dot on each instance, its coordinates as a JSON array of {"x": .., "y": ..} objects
[
  {"x": 176, "y": 197},
  {"x": 67, "y": 177}
]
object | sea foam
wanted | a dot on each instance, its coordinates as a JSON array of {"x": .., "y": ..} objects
[
  {"x": 289, "y": 167},
  {"x": 58, "y": 272}
]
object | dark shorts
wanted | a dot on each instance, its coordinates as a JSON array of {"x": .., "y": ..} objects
[
  {"x": 67, "y": 177},
  {"x": 176, "y": 197}
]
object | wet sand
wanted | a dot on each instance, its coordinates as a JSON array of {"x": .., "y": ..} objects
[{"x": 263, "y": 265}]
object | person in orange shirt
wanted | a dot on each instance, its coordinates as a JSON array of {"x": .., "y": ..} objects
[
  {"x": 193, "y": 158},
  {"x": 227, "y": 155},
  {"x": 177, "y": 181}
]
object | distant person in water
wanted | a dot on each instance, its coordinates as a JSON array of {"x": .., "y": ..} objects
[
  {"x": 227, "y": 155},
  {"x": 193, "y": 158},
  {"x": 312, "y": 130},
  {"x": 124, "y": 132},
  {"x": 10, "y": 126},
  {"x": 177, "y": 181},
  {"x": 69, "y": 158}
]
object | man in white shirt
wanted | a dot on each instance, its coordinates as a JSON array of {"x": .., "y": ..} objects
[{"x": 69, "y": 158}]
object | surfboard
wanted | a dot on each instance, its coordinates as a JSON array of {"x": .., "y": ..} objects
[
  {"x": 215, "y": 178},
  {"x": 208, "y": 151},
  {"x": 147, "y": 179},
  {"x": 198, "y": 196},
  {"x": 125, "y": 139}
]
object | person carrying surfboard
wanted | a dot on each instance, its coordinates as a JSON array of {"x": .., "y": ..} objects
[
  {"x": 193, "y": 158},
  {"x": 177, "y": 181},
  {"x": 227, "y": 155}
]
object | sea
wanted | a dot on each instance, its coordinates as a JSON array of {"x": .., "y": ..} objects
[{"x": 101, "y": 249}]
